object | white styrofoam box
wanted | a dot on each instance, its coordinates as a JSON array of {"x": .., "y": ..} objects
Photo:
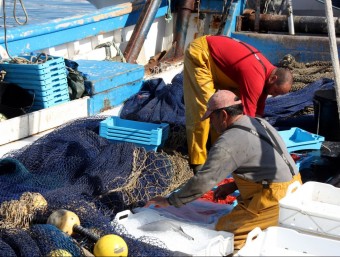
[
  {"x": 313, "y": 207},
  {"x": 279, "y": 241},
  {"x": 177, "y": 235}
]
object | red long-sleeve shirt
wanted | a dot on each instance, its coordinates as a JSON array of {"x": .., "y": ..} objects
[{"x": 250, "y": 71}]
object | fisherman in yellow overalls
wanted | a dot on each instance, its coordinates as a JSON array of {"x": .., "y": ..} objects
[
  {"x": 253, "y": 152},
  {"x": 220, "y": 62}
]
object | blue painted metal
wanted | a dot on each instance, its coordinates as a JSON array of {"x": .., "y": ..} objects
[
  {"x": 211, "y": 6},
  {"x": 105, "y": 75},
  {"x": 304, "y": 48},
  {"x": 111, "y": 82},
  {"x": 30, "y": 38},
  {"x": 113, "y": 97},
  {"x": 276, "y": 46},
  {"x": 235, "y": 9}
]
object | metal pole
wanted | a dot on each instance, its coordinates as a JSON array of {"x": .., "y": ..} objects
[
  {"x": 182, "y": 22},
  {"x": 141, "y": 30},
  {"x": 290, "y": 18},
  {"x": 334, "y": 49},
  {"x": 302, "y": 24},
  {"x": 257, "y": 16}
]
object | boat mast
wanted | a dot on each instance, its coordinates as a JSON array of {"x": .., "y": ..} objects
[{"x": 333, "y": 49}]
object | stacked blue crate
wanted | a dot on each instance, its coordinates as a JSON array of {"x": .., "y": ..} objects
[
  {"x": 143, "y": 134},
  {"x": 47, "y": 81}
]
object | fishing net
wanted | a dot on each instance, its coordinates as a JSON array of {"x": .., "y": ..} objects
[
  {"x": 6, "y": 250},
  {"x": 21, "y": 242},
  {"x": 160, "y": 102},
  {"x": 296, "y": 109},
  {"x": 157, "y": 102},
  {"x": 305, "y": 73},
  {"x": 49, "y": 238},
  {"x": 74, "y": 168},
  {"x": 294, "y": 103}
]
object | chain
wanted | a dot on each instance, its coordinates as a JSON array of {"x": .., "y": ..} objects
[
  {"x": 199, "y": 25},
  {"x": 265, "y": 10}
]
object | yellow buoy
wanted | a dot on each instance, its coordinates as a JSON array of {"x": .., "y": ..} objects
[
  {"x": 59, "y": 253},
  {"x": 64, "y": 220},
  {"x": 110, "y": 245}
]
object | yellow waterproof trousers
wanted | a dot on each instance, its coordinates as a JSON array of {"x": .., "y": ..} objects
[
  {"x": 201, "y": 78},
  {"x": 257, "y": 207}
]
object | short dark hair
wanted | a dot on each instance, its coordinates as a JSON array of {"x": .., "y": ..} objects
[
  {"x": 232, "y": 110},
  {"x": 284, "y": 75}
]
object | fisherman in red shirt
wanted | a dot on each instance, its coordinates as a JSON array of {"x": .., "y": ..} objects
[{"x": 220, "y": 62}]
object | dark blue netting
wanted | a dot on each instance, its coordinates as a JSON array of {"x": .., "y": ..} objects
[
  {"x": 284, "y": 106},
  {"x": 76, "y": 169},
  {"x": 21, "y": 242},
  {"x": 49, "y": 238},
  {"x": 75, "y": 158},
  {"x": 157, "y": 102},
  {"x": 6, "y": 250}
]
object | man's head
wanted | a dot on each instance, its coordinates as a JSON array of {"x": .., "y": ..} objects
[
  {"x": 222, "y": 108},
  {"x": 279, "y": 82}
]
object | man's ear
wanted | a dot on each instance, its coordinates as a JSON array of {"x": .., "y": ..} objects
[
  {"x": 225, "y": 114},
  {"x": 272, "y": 79}
]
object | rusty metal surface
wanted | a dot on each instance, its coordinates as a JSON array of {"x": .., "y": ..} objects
[
  {"x": 183, "y": 16},
  {"x": 279, "y": 23},
  {"x": 141, "y": 30},
  {"x": 161, "y": 63},
  {"x": 184, "y": 9},
  {"x": 187, "y": 4},
  {"x": 106, "y": 105},
  {"x": 215, "y": 22}
]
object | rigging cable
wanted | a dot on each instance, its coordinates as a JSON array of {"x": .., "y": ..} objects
[
  {"x": 16, "y": 20},
  {"x": 24, "y": 10}
]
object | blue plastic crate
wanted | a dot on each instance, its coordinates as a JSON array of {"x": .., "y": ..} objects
[
  {"x": 297, "y": 139},
  {"x": 52, "y": 65},
  {"x": 47, "y": 90},
  {"x": 144, "y": 134},
  {"x": 41, "y": 104},
  {"x": 154, "y": 136},
  {"x": 39, "y": 84},
  {"x": 51, "y": 97},
  {"x": 35, "y": 76},
  {"x": 46, "y": 80}
]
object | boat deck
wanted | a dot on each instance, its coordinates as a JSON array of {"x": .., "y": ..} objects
[
  {"x": 15, "y": 145},
  {"x": 46, "y": 11}
]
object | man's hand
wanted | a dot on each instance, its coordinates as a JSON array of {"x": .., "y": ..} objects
[
  {"x": 224, "y": 190},
  {"x": 158, "y": 201}
]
